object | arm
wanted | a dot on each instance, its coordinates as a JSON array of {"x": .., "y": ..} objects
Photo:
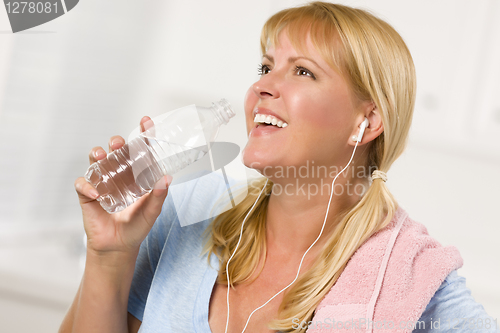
[
  {"x": 113, "y": 242},
  {"x": 101, "y": 301}
]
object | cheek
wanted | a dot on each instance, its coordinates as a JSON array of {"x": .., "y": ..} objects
[
  {"x": 328, "y": 115},
  {"x": 315, "y": 108}
]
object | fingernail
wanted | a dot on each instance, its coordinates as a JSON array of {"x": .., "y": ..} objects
[
  {"x": 168, "y": 180},
  {"x": 99, "y": 153},
  {"x": 94, "y": 194},
  {"x": 116, "y": 143},
  {"x": 159, "y": 186}
]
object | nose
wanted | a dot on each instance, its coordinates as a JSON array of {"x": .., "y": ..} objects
[{"x": 266, "y": 87}]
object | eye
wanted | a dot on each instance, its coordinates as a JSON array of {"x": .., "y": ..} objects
[
  {"x": 302, "y": 71},
  {"x": 263, "y": 69}
]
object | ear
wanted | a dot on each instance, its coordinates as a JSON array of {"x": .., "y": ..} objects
[{"x": 374, "y": 129}]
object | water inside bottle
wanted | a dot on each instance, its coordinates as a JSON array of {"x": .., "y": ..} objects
[
  {"x": 132, "y": 171},
  {"x": 116, "y": 182}
]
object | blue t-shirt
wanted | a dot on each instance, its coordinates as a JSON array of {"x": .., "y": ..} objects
[{"x": 173, "y": 283}]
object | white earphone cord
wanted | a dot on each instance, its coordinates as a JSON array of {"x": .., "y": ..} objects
[{"x": 300, "y": 265}]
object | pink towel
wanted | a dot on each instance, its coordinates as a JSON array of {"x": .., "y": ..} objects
[{"x": 388, "y": 281}]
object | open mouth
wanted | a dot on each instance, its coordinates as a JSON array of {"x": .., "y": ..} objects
[{"x": 267, "y": 120}]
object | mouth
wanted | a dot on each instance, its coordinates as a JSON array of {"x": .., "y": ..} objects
[{"x": 266, "y": 120}]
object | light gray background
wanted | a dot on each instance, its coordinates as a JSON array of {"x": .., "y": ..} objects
[{"x": 70, "y": 84}]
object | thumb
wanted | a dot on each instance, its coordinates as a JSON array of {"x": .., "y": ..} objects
[{"x": 154, "y": 202}]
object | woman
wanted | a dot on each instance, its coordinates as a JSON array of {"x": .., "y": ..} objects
[{"x": 321, "y": 250}]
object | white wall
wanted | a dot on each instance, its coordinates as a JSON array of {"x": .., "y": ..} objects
[{"x": 70, "y": 84}]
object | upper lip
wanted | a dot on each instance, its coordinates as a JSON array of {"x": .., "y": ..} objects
[{"x": 267, "y": 112}]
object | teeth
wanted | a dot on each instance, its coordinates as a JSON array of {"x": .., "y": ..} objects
[{"x": 262, "y": 118}]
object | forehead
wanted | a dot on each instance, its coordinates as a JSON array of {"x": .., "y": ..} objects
[
  {"x": 284, "y": 44},
  {"x": 324, "y": 48},
  {"x": 289, "y": 51}
]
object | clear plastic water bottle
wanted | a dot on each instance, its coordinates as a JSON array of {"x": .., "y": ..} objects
[{"x": 174, "y": 141}]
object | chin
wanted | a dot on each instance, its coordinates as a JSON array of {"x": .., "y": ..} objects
[
  {"x": 256, "y": 158},
  {"x": 251, "y": 159}
]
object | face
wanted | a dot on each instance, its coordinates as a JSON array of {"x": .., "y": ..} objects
[{"x": 303, "y": 91}]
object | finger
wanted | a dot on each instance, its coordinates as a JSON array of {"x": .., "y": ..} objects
[
  {"x": 96, "y": 154},
  {"x": 115, "y": 142},
  {"x": 86, "y": 192},
  {"x": 155, "y": 199},
  {"x": 146, "y": 123}
]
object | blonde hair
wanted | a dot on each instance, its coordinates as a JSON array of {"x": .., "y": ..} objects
[{"x": 374, "y": 59}]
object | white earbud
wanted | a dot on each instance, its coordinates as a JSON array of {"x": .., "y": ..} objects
[{"x": 362, "y": 128}]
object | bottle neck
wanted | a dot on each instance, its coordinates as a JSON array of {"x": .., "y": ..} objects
[{"x": 222, "y": 111}]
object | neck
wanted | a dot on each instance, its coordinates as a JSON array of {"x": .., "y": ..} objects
[{"x": 297, "y": 209}]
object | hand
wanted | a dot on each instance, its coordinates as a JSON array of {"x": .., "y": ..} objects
[{"x": 123, "y": 231}]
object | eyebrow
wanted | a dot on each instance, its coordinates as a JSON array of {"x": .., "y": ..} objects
[{"x": 293, "y": 59}]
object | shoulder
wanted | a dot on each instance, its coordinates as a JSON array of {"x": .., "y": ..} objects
[
  {"x": 414, "y": 247},
  {"x": 192, "y": 203},
  {"x": 414, "y": 243},
  {"x": 171, "y": 271},
  {"x": 199, "y": 199},
  {"x": 178, "y": 231},
  {"x": 405, "y": 249},
  {"x": 400, "y": 261},
  {"x": 418, "y": 263},
  {"x": 401, "y": 267}
]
